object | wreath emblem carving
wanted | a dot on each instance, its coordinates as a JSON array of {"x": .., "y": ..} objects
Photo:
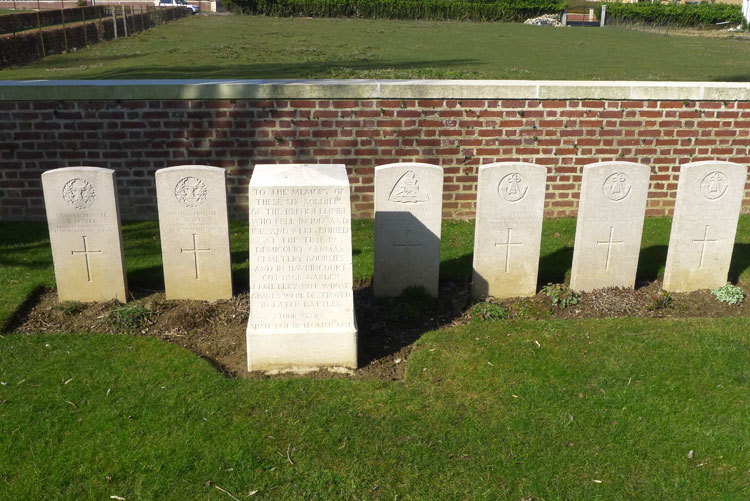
[
  {"x": 79, "y": 193},
  {"x": 190, "y": 192}
]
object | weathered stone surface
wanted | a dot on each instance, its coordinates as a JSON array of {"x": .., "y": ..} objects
[
  {"x": 301, "y": 299},
  {"x": 84, "y": 227},
  {"x": 193, "y": 225},
  {"x": 408, "y": 210},
  {"x": 508, "y": 230},
  {"x": 709, "y": 196},
  {"x": 609, "y": 226}
]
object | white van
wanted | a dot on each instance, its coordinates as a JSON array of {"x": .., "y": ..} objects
[{"x": 177, "y": 3}]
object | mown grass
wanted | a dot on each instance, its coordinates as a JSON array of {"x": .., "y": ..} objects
[
  {"x": 261, "y": 47},
  {"x": 604, "y": 409}
]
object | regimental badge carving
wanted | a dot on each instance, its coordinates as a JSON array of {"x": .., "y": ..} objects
[
  {"x": 190, "y": 192},
  {"x": 617, "y": 186},
  {"x": 79, "y": 193},
  {"x": 714, "y": 185},
  {"x": 407, "y": 190},
  {"x": 513, "y": 187}
]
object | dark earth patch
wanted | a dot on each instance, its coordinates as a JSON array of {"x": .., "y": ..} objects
[{"x": 387, "y": 328}]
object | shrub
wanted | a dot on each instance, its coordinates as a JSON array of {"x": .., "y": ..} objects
[
  {"x": 488, "y": 311},
  {"x": 560, "y": 295},
  {"x": 675, "y": 14},
  {"x": 503, "y": 10},
  {"x": 729, "y": 294}
]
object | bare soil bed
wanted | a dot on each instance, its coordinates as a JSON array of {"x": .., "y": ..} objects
[{"x": 387, "y": 328}]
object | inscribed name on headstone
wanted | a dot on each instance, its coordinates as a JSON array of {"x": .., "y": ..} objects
[
  {"x": 609, "y": 226},
  {"x": 408, "y": 213},
  {"x": 194, "y": 231},
  {"x": 707, "y": 208},
  {"x": 301, "y": 298},
  {"x": 84, "y": 229},
  {"x": 508, "y": 231}
]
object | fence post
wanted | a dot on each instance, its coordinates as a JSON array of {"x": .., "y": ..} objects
[
  {"x": 604, "y": 15},
  {"x": 85, "y": 35},
  {"x": 65, "y": 31},
  {"x": 41, "y": 35},
  {"x": 125, "y": 21},
  {"x": 114, "y": 20}
]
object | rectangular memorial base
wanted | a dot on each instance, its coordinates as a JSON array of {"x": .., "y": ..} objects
[{"x": 301, "y": 349}]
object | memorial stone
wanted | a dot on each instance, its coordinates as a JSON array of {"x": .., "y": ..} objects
[
  {"x": 194, "y": 231},
  {"x": 609, "y": 226},
  {"x": 84, "y": 229},
  {"x": 508, "y": 230},
  {"x": 707, "y": 208},
  {"x": 408, "y": 215},
  {"x": 301, "y": 298}
]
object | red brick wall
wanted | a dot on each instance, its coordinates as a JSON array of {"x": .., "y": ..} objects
[{"x": 138, "y": 137}]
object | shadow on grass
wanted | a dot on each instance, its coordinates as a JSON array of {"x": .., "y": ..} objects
[
  {"x": 740, "y": 261},
  {"x": 313, "y": 69},
  {"x": 651, "y": 263},
  {"x": 388, "y": 325},
  {"x": 17, "y": 317}
]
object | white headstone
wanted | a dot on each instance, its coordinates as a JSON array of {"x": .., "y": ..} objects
[
  {"x": 408, "y": 214},
  {"x": 301, "y": 298},
  {"x": 508, "y": 230},
  {"x": 194, "y": 231},
  {"x": 709, "y": 197},
  {"x": 609, "y": 226},
  {"x": 84, "y": 229}
]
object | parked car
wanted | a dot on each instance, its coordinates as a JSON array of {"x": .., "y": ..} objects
[{"x": 177, "y": 3}]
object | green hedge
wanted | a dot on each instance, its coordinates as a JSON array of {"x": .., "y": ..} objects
[
  {"x": 675, "y": 14},
  {"x": 504, "y": 10}
]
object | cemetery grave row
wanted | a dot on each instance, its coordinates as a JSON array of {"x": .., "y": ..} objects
[{"x": 301, "y": 297}]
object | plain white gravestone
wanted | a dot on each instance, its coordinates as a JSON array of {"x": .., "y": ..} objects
[
  {"x": 508, "y": 229},
  {"x": 194, "y": 231},
  {"x": 84, "y": 229},
  {"x": 301, "y": 298},
  {"x": 709, "y": 197},
  {"x": 610, "y": 225},
  {"x": 408, "y": 214}
]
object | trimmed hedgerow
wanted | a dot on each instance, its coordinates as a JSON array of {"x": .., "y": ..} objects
[
  {"x": 674, "y": 14},
  {"x": 504, "y": 10}
]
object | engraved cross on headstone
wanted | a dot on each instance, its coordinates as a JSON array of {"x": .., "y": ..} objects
[
  {"x": 609, "y": 243},
  {"x": 508, "y": 244},
  {"x": 703, "y": 244},
  {"x": 86, "y": 253},
  {"x": 195, "y": 250}
]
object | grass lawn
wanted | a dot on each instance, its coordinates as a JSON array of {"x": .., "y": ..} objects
[
  {"x": 604, "y": 409},
  {"x": 264, "y": 47}
]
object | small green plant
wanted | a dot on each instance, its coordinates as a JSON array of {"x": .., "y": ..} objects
[
  {"x": 129, "y": 317},
  {"x": 662, "y": 300},
  {"x": 560, "y": 295},
  {"x": 487, "y": 311},
  {"x": 69, "y": 308},
  {"x": 730, "y": 294}
]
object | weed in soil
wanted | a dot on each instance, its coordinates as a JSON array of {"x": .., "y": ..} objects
[{"x": 729, "y": 294}]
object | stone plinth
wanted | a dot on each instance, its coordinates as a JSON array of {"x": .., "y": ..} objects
[
  {"x": 408, "y": 206},
  {"x": 508, "y": 229},
  {"x": 84, "y": 229},
  {"x": 301, "y": 301},
  {"x": 609, "y": 225},
  {"x": 194, "y": 232},
  {"x": 709, "y": 196}
]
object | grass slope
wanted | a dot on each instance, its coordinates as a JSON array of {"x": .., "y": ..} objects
[
  {"x": 261, "y": 47},
  {"x": 605, "y": 409}
]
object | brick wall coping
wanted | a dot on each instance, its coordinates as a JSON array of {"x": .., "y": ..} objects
[{"x": 88, "y": 90}]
